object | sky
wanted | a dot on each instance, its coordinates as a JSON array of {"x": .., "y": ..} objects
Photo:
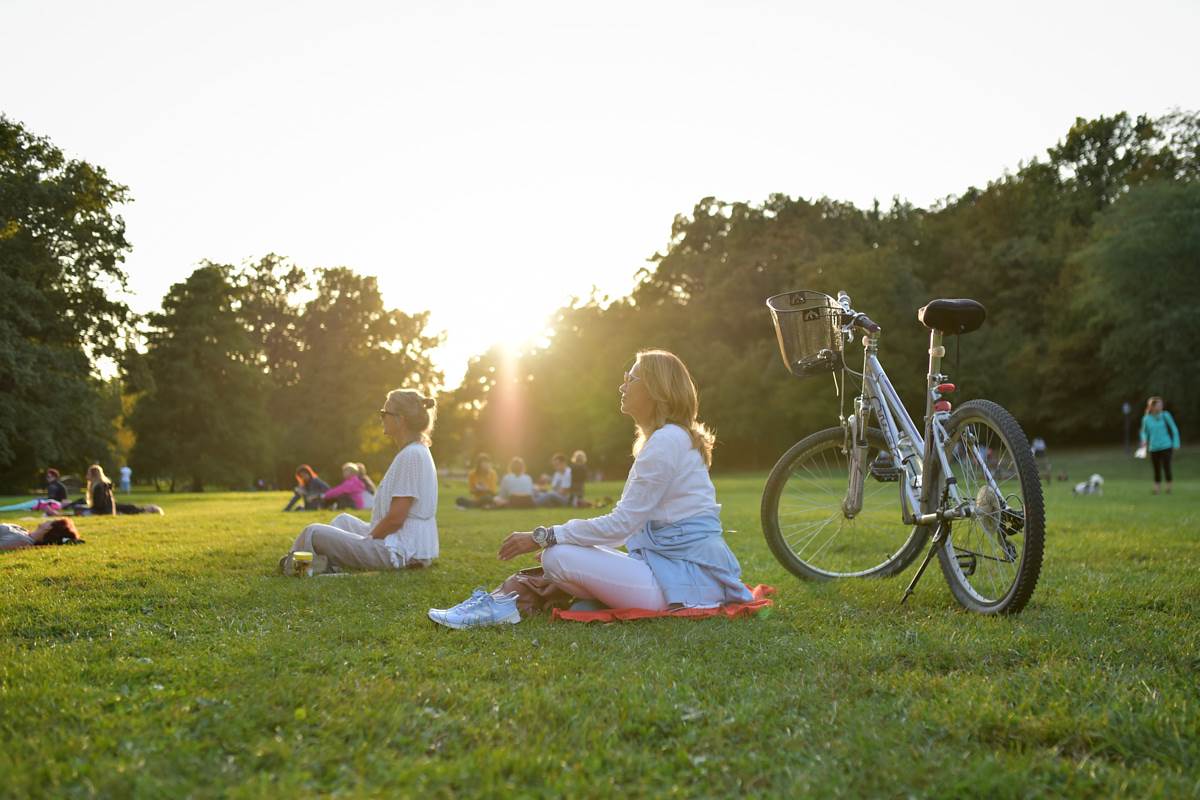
[{"x": 488, "y": 161}]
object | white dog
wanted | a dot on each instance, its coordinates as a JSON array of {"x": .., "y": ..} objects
[{"x": 1093, "y": 485}]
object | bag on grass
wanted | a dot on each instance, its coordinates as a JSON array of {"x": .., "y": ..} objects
[{"x": 534, "y": 591}]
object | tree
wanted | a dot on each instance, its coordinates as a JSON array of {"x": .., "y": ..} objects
[
  {"x": 1138, "y": 296},
  {"x": 352, "y": 351},
  {"x": 201, "y": 416},
  {"x": 61, "y": 253}
]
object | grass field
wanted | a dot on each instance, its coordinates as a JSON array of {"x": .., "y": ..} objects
[{"x": 165, "y": 659}]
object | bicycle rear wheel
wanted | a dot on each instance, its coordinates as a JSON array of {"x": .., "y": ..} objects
[
  {"x": 992, "y": 560},
  {"x": 805, "y": 526}
]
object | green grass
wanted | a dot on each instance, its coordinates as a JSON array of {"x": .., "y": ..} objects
[{"x": 164, "y": 658}]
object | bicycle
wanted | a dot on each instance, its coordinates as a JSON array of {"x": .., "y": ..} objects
[{"x": 967, "y": 482}]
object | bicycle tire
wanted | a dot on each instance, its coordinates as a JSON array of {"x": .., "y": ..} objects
[
  {"x": 1033, "y": 524},
  {"x": 914, "y": 537}
]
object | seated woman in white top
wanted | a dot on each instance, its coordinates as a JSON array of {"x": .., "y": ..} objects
[
  {"x": 668, "y": 517},
  {"x": 403, "y": 529},
  {"x": 516, "y": 487}
]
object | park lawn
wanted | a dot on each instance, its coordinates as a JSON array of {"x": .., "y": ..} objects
[{"x": 165, "y": 658}]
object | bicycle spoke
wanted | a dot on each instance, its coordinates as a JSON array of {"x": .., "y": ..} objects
[{"x": 812, "y": 526}]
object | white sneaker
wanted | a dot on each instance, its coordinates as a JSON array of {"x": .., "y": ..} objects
[{"x": 479, "y": 612}]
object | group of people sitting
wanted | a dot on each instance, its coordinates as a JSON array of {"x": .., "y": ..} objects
[
  {"x": 99, "y": 498},
  {"x": 356, "y": 490},
  {"x": 667, "y": 518},
  {"x": 564, "y": 487}
]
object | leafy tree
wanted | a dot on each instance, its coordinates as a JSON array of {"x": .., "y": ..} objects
[
  {"x": 61, "y": 253},
  {"x": 201, "y": 416},
  {"x": 352, "y": 351},
  {"x": 1138, "y": 295}
]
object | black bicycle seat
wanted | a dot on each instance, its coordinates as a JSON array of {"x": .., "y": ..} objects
[{"x": 952, "y": 316}]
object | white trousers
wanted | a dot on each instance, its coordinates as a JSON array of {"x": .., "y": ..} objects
[{"x": 600, "y": 573}]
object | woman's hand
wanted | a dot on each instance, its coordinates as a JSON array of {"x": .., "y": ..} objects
[{"x": 516, "y": 544}]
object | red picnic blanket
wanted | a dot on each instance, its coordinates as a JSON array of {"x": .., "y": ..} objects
[{"x": 761, "y": 593}]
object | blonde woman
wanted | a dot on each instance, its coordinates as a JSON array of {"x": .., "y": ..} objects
[
  {"x": 98, "y": 498},
  {"x": 403, "y": 529},
  {"x": 668, "y": 517},
  {"x": 516, "y": 487},
  {"x": 98, "y": 494}
]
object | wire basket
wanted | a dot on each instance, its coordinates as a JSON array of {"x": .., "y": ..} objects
[{"x": 808, "y": 326}]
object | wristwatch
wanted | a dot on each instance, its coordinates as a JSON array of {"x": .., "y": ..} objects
[{"x": 543, "y": 537}]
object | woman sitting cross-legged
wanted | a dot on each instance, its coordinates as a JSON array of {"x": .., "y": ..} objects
[
  {"x": 403, "y": 529},
  {"x": 481, "y": 483},
  {"x": 668, "y": 518},
  {"x": 516, "y": 487}
]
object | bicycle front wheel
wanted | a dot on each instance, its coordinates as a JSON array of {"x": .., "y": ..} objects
[
  {"x": 805, "y": 525},
  {"x": 992, "y": 559}
]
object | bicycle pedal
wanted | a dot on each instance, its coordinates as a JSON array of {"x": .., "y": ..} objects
[
  {"x": 966, "y": 563},
  {"x": 1010, "y": 550},
  {"x": 884, "y": 470}
]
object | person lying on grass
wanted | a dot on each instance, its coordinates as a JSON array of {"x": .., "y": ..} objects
[
  {"x": 668, "y": 518},
  {"x": 402, "y": 531},
  {"x": 52, "y": 531}
]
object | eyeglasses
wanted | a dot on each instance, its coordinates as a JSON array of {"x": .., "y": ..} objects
[
  {"x": 383, "y": 413},
  {"x": 630, "y": 377}
]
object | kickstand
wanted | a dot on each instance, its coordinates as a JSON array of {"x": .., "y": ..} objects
[{"x": 937, "y": 539}]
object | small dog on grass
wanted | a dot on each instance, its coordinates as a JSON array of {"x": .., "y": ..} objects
[{"x": 1093, "y": 485}]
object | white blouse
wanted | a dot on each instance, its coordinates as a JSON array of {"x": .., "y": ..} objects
[
  {"x": 512, "y": 484},
  {"x": 668, "y": 482},
  {"x": 412, "y": 474}
]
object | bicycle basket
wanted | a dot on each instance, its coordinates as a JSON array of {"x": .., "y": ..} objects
[{"x": 807, "y": 325}]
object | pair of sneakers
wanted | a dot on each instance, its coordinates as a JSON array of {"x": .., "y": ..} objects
[{"x": 482, "y": 609}]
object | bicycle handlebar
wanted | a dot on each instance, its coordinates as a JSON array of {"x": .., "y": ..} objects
[{"x": 852, "y": 317}]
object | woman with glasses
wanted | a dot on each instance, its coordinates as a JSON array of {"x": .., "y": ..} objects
[
  {"x": 667, "y": 518},
  {"x": 403, "y": 529}
]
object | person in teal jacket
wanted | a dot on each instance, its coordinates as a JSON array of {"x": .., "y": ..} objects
[{"x": 1160, "y": 436}]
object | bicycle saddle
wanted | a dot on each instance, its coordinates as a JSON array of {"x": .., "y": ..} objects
[{"x": 952, "y": 316}]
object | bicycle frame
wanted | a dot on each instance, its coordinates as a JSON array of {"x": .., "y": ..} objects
[{"x": 910, "y": 448}]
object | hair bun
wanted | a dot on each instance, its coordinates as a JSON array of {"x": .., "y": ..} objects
[{"x": 428, "y": 402}]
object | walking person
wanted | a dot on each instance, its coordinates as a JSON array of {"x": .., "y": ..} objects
[
  {"x": 403, "y": 529},
  {"x": 126, "y": 479},
  {"x": 668, "y": 518},
  {"x": 1160, "y": 437}
]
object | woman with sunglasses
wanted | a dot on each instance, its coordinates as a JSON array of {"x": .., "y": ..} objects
[
  {"x": 403, "y": 530},
  {"x": 668, "y": 518}
]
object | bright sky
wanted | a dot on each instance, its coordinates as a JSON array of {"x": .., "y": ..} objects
[{"x": 487, "y": 160}]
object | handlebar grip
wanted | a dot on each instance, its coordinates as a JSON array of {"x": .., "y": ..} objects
[{"x": 868, "y": 324}]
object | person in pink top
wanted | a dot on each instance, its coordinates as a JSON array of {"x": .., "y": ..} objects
[{"x": 348, "y": 493}]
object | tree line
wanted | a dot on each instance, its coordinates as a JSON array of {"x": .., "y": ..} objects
[
  {"x": 1087, "y": 258},
  {"x": 243, "y": 374}
]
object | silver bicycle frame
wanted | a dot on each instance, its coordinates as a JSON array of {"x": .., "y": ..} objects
[{"x": 909, "y": 447}]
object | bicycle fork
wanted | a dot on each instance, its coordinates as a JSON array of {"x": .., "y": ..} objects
[{"x": 857, "y": 456}]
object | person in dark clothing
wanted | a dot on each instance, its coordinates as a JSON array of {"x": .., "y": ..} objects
[
  {"x": 55, "y": 489},
  {"x": 309, "y": 488},
  {"x": 100, "y": 500}
]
